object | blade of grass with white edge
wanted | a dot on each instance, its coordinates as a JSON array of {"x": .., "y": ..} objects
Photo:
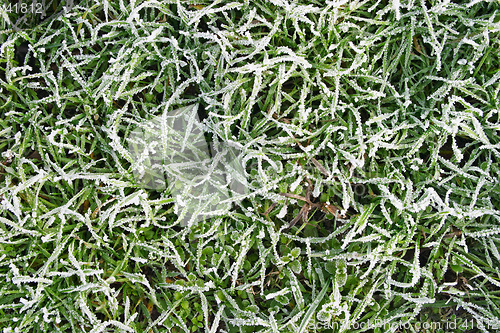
[
  {"x": 312, "y": 309},
  {"x": 360, "y": 224},
  {"x": 216, "y": 321}
]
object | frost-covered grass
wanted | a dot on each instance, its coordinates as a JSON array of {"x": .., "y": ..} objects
[{"x": 386, "y": 115}]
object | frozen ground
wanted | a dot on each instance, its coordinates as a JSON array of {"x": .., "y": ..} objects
[{"x": 368, "y": 134}]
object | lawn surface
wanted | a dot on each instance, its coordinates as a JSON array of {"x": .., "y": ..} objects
[{"x": 369, "y": 134}]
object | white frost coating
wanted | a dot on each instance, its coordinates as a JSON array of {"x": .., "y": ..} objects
[
  {"x": 384, "y": 154},
  {"x": 395, "y": 7},
  {"x": 282, "y": 212},
  {"x": 278, "y": 293}
]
